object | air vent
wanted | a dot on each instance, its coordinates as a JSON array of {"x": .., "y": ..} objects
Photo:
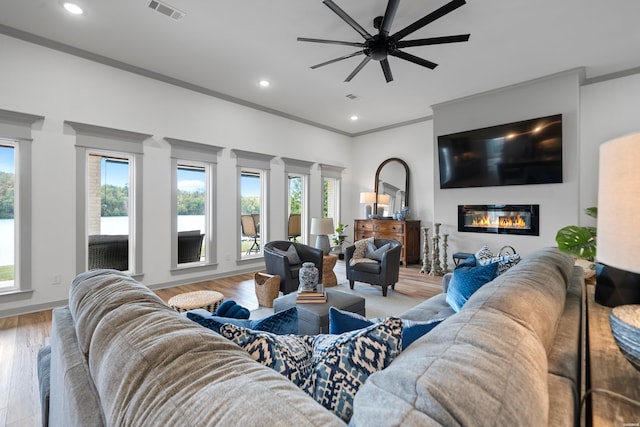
[{"x": 166, "y": 9}]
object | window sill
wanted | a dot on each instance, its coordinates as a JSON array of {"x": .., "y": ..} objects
[
  {"x": 15, "y": 295},
  {"x": 250, "y": 260},
  {"x": 193, "y": 267}
]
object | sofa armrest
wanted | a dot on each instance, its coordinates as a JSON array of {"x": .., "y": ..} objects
[{"x": 445, "y": 282}]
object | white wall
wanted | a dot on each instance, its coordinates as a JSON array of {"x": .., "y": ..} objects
[
  {"x": 558, "y": 202},
  {"x": 60, "y": 87},
  {"x": 608, "y": 110}
]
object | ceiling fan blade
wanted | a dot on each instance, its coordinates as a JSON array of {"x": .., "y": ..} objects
[
  {"x": 337, "y": 59},
  {"x": 360, "y": 66},
  {"x": 412, "y": 58},
  {"x": 386, "y": 70},
  {"x": 433, "y": 40},
  {"x": 346, "y": 18},
  {"x": 354, "y": 44},
  {"x": 389, "y": 14},
  {"x": 439, "y": 13}
]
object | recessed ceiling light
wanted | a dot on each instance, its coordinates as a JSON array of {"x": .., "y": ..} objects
[
  {"x": 73, "y": 8},
  {"x": 264, "y": 83},
  {"x": 354, "y": 118}
]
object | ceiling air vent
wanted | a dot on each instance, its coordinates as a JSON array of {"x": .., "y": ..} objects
[{"x": 166, "y": 9}]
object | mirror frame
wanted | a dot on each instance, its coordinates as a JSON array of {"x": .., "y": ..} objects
[{"x": 406, "y": 183}]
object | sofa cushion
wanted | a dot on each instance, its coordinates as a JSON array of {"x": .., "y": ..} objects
[
  {"x": 467, "y": 280},
  {"x": 290, "y": 253},
  {"x": 280, "y": 323},
  {"x": 371, "y": 267},
  {"x": 345, "y": 321},
  {"x": 287, "y": 354}
]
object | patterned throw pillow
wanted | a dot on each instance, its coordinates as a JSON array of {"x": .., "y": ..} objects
[
  {"x": 466, "y": 280},
  {"x": 504, "y": 262},
  {"x": 345, "y": 321},
  {"x": 289, "y": 355},
  {"x": 330, "y": 368},
  {"x": 483, "y": 254},
  {"x": 376, "y": 253},
  {"x": 280, "y": 323},
  {"x": 342, "y": 363}
]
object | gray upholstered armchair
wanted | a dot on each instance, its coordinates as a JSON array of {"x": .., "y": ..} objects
[
  {"x": 382, "y": 273},
  {"x": 278, "y": 263}
]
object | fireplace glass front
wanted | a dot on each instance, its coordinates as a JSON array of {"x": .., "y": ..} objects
[{"x": 500, "y": 219}]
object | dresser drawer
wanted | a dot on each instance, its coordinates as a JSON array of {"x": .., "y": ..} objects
[
  {"x": 389, "y": 227},
  {"x": 364, "y": 226}
]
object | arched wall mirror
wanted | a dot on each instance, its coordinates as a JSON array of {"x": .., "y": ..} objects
[{"x": 391, "y": 187}]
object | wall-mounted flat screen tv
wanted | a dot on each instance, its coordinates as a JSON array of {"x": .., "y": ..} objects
[{"x": 526, "y": 152}]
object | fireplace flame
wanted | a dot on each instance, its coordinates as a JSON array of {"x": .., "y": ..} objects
[{"x": 499, "y": 221}]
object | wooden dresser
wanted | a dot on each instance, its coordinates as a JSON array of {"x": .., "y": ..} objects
[{"x": 406, "y": 232}]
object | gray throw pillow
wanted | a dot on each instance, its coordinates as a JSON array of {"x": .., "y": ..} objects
[
  {"x": 290, "y": 253},
  {"x": 376, "y": 253}
]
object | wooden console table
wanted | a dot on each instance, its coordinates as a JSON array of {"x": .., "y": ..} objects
[
  {"x": 608, "y": 369},
  {"x": 406, "y": 232}
]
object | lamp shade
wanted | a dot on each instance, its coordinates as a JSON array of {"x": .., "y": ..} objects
[
  {"x": 619, "y": 204},
  {"x": 384, "y": 199},
  {"x": 322, "y": 226},
  {"x": 368, "y": 197}
]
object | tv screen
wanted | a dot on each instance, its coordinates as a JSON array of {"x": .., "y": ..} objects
[{"x": 526, "y": 152}]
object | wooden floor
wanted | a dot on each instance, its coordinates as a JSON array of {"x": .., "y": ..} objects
[{"x": 22, "y": 336}]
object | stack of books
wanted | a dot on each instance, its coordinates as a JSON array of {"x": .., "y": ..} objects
[{"x": 311, "y": 297}]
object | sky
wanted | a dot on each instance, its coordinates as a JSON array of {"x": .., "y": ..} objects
[{"x": 6, "y": 159}]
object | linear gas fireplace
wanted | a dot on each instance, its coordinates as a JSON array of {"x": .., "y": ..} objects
[{"x": 500, "y": 219}]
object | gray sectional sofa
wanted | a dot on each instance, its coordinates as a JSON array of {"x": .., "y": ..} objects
[{"x": 120, "y": 356}]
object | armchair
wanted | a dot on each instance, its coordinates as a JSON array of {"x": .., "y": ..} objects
[
  {"x": 279, "y": 264},
  {"x": 381, "y": 273},
  {"x": 189, "y": 246}
]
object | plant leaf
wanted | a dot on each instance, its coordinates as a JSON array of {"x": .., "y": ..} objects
[
  {"x": 592, "y": 211},
  {"x": 577, "y": 241}
]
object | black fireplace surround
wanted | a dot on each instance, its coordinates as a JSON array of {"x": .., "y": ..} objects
[{"x": 500, "y": 219}]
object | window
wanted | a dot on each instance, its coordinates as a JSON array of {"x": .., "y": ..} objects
[
  {"x": 297, "y": 178},
  {"x": 193, "y": 200},
  {"x": 7, "y": 214},
  {"x": 15, "y": 203},
  {"x": 109, "y": 206},
  {"x": 253, "y": 181},
  {"x": 331, "y": 179}
]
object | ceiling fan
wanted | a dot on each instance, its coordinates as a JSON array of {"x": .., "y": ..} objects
[{"x": 381, "y": 45}]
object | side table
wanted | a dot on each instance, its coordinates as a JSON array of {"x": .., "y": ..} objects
[
  {"x": 608, "y": 370},
  {"x": 208, "y": 300},
  {"x": 328, "y": 276}
]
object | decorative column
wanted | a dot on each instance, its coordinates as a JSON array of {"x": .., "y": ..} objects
[
  {"x": 436, "y": 269},
  {"x": 425, "y": 250},
  {"x": 445, "y": 269}
]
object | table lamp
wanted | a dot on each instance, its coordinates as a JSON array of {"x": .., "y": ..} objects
[
  {"x": 322, "y": 227},
  {"x": 368, "y": 199},
  {"x": 618, "y": 245},
  {"x": 383, "y": 201}
]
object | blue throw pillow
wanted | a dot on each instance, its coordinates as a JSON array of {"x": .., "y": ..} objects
[
  {"x": 466, "y": 280},
  {"x": 469, "y": 261},
  {"x": 230, "y": 308},
  {"x": 345, "y": 321},
  {"x": 281, "y": 323}
]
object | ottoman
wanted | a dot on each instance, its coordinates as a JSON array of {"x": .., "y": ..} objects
[
  {"x": 208, "y": 300},
  {"x": 313, "y": 319}
]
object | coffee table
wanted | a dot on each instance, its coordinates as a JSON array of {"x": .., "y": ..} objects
[{"x": 313, "y": 319}]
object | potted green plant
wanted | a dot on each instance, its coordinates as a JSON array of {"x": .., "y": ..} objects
[
  {"x": 339, "y": 238},
  {"x": 579, "y": 241}
]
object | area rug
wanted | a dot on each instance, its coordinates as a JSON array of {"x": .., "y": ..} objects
[{"x": 376, "y": 305}]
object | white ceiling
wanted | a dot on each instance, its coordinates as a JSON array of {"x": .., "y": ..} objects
[{"x": 225, "y": 47}]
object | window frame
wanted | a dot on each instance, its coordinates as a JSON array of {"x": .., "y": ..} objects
[
  {"x": 332, "y": 172},
  {"x": 298, "y": 168},
  {"x": 16, "y": 127},
  {"x": 199, "y": 155},
  {"x": 114, "y": 142}
]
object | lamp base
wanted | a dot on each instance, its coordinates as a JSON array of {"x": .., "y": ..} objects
[
  {"x": 322, "y": 242},
  {"x": 616, "y": 287}
]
